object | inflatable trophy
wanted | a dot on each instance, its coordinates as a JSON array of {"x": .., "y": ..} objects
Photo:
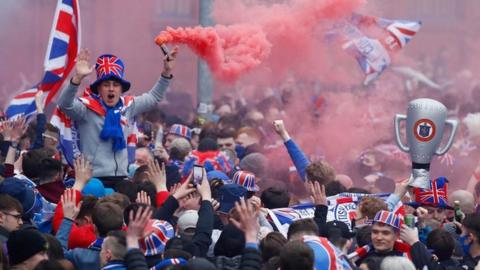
[{"x": 426, "y": 119}]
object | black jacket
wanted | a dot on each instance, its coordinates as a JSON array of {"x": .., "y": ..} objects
[
  {"x": 421, "y": 257},
  {"x": 134, "y": 260},
  {"x": 202, "y": 238}
]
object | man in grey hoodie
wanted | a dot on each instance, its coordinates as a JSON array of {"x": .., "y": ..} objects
[{"x": 103, "y": 117}]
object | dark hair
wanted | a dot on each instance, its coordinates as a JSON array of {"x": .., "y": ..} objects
[
  {"x": 54, "y": 251},
  {"x": 275, "y": 197},
  {"x": 88, "y": 203},
  {"x": 271, "y": 245},
  {"x": 296, "y": 255},
  {"x": 364, "y": 236},
  {"x": 151, "y": 191},
  {"x": 207, "y": 144},
  {"x": 230, "y": 121},
  {"x": 226, "y": 133},
  {"x": 442, "y": 243},
  {"x": 334, "y": 187},
  {"x": 132, "y": 207},
  {"x": 320, "y": 171},
  {"x": 209, "y": 130},
  {"x": 49, "y": 264},
  {"x": 8, "y": 203},
  {"x": 373, "y": 262},
  {"x": 107, "y": 217},
  {"x": 31, "y": 162},
  {"x": 49, "y": 168},
  {"x": 472, "y": 223},
  {"x": 307, "y": 225},
  {"x": 140, "y": 175},
  {"x": 128, "y": 188}
]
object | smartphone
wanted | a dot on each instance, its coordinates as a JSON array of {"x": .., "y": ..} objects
[{"x": 197, "y": 174}]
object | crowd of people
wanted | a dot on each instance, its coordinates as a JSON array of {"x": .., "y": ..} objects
[{"x": 155, "y": 210}]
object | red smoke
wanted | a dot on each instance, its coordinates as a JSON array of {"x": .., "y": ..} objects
[
  {"x": 229, "y": 50},
  {"x": 262, "y": 34}
]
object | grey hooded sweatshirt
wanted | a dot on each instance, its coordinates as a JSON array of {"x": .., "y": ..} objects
[{"x": 89, "y": 124}]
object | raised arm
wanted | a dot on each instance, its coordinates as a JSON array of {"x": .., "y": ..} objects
[
  {"x": 41, "y": 120},
  {"x": 296, "y": 154},
  {"x": 149, "y": 100},
  {"x": 66, "y": 101}
]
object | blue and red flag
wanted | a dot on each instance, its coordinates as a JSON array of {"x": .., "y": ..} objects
[{"x": 62, "y": 49}]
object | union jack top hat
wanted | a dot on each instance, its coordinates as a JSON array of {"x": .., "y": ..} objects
[
  {"x": 436, "y": 196},
  {"x": 388, "y": 218},
  {"x": 158, "y": 233},
  {"x": 245, "y": 179},
  {"x": 181, "y": 130},
  {"x": 109, "y": 67}
]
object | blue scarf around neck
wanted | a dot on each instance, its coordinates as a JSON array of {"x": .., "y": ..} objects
[{"x": 112, "y": 129}]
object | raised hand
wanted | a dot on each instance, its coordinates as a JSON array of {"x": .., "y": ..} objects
[
  {"x": 136, "y": 225},
  {"x": 83, "y": 172},
  {"x": 40, "y": 101},
  {"x": 204, "y": 188},
  {"x": 190, "y": 202},
  {"x": 248, "y": 220},
  {"x": 157, "y": 175},
  {"x": 182, "y": 191},
  {"x": 409, "y": 235},
  {"x": 280, "y": 129},
  {"x": 142, "y": 197},
  {"x": 317, "y": 193},
  {"x": 82, "y": 67},
  {"x": 69, "y": 204},
  {"x": 169, "y": 62},
  {"x": 14, "y": 129}
]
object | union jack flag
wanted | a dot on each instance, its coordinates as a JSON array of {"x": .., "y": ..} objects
[
  {"x": 107, "y": 65},
  {"x": 436, "y": 196},
  {"x": 62, "y": 49},
  {"x": 154, "y": 243},
  {"x": 246, "y": 179}
]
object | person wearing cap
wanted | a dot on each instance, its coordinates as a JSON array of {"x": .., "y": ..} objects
[
  {"x": 384, "y": 236},
  {"x": 435, "y": 201},
  {"x": 339, "y": 234},
  {"x": 103, "y": 118},
  {"x": 187, "y": 222},
  {"x": 247, "y": 180},
  {"x": 26, "y": 248},
  {"x": 177, "y": 131},
  {"x": 27, "y": 197}
]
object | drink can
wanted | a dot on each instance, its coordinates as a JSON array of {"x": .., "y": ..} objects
[{"x": 409, "y": 220}]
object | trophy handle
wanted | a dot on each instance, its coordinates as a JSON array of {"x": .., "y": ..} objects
[
  {"x": 454, "y": 124},
  {"x": 398, "y": 118}
]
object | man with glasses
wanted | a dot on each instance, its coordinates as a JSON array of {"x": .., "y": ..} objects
[{"x": 10, "y": 216}]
